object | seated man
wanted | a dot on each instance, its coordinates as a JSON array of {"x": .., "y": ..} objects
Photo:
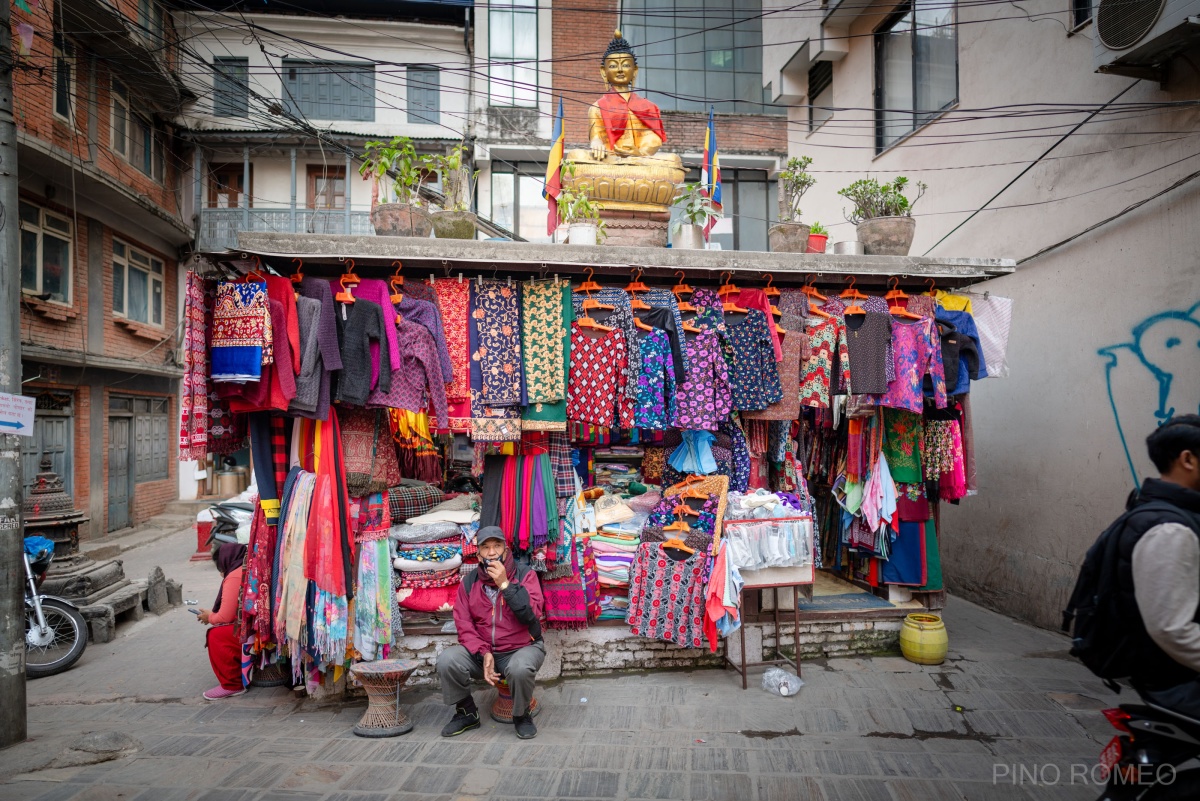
[{"x": 496, "y": 614}]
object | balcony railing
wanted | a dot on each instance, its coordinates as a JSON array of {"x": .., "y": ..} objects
[{"x": 219, "y": 227}]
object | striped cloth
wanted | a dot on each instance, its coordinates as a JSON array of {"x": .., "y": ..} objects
[
  {"x": 407, "y": 501},
  {"x": 561, "y": 464}
]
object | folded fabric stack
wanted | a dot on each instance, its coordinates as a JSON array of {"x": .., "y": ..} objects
[
  {"x": 614, "y": 555},
  {"x": 616, "y": 474},
  {"x": 614, "y": 604},
  {"x": 427, "y": 570},
  {"x": 412, "y": 498}
]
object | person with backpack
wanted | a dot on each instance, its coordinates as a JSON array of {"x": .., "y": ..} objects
[
  {"x": 1136, "y": 605},
  {"x": 497, "y": 615}
]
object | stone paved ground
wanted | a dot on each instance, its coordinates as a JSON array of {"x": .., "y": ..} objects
[{"x": 1007, "y": 702}]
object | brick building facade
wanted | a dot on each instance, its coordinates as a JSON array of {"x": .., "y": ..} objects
[{"x": 100, "y": 176}]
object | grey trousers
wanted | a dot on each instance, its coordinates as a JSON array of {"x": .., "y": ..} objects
[{"x": 457, "y": 669}]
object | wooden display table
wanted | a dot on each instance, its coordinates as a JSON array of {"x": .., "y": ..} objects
[{"x": 383, "y": 681}]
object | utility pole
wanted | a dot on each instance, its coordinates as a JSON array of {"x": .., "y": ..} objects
[{"x": 12, "y": 571}]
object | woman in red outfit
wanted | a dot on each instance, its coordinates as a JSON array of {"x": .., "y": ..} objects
[{"x": 224, "y": 650}]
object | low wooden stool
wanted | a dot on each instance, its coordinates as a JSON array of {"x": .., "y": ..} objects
[
  {"x": 502, "y": 707},
  {"x": 383, "y": 681}
]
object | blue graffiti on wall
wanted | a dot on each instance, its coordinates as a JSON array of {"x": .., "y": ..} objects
[{"x": 1153, "y": 377}]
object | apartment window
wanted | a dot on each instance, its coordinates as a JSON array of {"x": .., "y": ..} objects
[
  {"x": 231, "y": 87},
  {"x": 150, "y": 18},
  {"x": 1081, "y": 12},
  {"x": 137, "y": 284},
  {"x": 694, "y": 53},
  {"x": 225, "y": 186},
  {"x": 424, "y": 94},
  {"x": 330, "y": 90},
  {"x": 517, "y": 202},
  {"x": 747, "y": 203},
  {"x": 820, "y": 94},
  {"x": 916, "y": 68},
  {"x": 45, "y": 253},
  {"x": 512, "y": 52},
  {"x": 326, "y": 187},
  {"x": 121, "y": 115},
  {"x": 147, "y": 147},
  {"x": 64, "y": 78}
]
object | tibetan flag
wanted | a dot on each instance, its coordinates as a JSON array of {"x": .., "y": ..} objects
[
  {"x": 553, "y": 171},
  {"x": 710, "y": 172},
  {"x": 21, "y": 4}
]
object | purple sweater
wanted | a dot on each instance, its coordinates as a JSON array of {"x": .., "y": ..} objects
[
  {"x": 416, "y": 373},
  {"x": 426, "y": 314}
]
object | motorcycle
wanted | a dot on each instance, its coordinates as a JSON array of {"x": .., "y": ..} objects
[
  {"x": 55, "y": 631},
  {"x": 231, "y": 521},
  {"x": 1143, "y": 762}
]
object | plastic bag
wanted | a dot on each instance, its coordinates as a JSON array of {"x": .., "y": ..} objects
[{"x": 780, "y": 682}]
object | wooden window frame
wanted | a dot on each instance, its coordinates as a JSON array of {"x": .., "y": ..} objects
[
  {"x": 313, "y": 173},
  {"x": 216, "y": 169},
  {"x": 127, "y": 263},
  {"x": 63, "y": 53},
  {"x": 41, "y": 230}
]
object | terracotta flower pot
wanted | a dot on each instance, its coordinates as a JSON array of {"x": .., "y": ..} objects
[
  {"x": 816, "y": 243},
  {"x": 788, "y": 237},
  {"x": 400, "y": 219},
  {"x": 454, "y": 224},
  {"x": 887, "y": 236}
]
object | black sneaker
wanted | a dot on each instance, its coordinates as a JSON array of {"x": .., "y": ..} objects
[
  {"x": 524, "y": 726},
  {"x": 464, "y": 719}
]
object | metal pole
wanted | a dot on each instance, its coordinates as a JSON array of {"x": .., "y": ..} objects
[
  {"x": 246, "y": 189},
  {"x": 12, "y": 615},
  {"x": 293, "y": 228},
  {"x": 346, "y": 199}
]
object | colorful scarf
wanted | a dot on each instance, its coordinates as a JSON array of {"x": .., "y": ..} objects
[
  {"x": 373, "y": 598},
  {"x": 241, "y": 332},
  {"x": 565, "y": 601},
  {"x": 291, "y": 627},
  {"x": 193, "y": 387},
  {"x": 428, "y": 579},
  {"x": 591, "y": 579},
  {"x": 454, "y": 301}
]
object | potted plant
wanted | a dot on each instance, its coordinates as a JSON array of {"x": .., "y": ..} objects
[
  {"x": 580, "y": 213},
  {"x": 883, "y": 215},
  {"x": 697, "y": 210},
  {"x": 400, "y": 211},
  {"x": 455, "y": 220},
  {"x": 789, "y": 235},
  {"x": 818, "y": 235}
]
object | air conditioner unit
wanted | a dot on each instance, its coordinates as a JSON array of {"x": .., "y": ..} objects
[{"x": 1138, "y": 37}]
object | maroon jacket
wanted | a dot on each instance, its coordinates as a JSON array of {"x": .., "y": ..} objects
[{"x": 493, "y": 627}]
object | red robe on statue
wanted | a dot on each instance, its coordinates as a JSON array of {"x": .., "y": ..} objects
[{"x": 615, "y": 109}]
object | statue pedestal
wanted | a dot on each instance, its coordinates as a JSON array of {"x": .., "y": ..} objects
[{"x": 643, "y": 229}]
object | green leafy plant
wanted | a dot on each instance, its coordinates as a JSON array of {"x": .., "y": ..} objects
[
  {"x": 576, "y": 206},
  {"x": 697, "y": 209},
  {"x": 818, "y": 229},
  {"x": 794, "y": 180},
  {"x": 874, "y": 199},
  {"x": 458, "y": 182},
  {"x": 398, "y": 159}
]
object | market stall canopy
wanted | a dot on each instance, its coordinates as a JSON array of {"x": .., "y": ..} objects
[{"x": 375, "y": 254}]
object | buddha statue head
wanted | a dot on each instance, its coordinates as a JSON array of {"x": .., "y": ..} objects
[{"x": 618, "y": 67}]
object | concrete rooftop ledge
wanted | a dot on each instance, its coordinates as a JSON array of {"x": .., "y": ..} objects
[{"x": 442, "y": 256}]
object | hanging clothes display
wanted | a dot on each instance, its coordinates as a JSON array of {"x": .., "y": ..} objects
[
  {"x": 754, "y": 372},
  {"x": 705, "y": 397},
  {"x": 918, "y": 353},
  {"x": 829, "y": 358},
  {"x": 596, "y": 391},
  {"x": 241, "y": 330},
  {"x": 656, "y": 384},
  {"x": 667, "y": 596}
]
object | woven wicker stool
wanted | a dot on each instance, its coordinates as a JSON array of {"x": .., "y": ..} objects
[
  {"x": 502, "y": 707},
  {"x": 272, "y": 675},
  {"x": 383, "y": 682}
]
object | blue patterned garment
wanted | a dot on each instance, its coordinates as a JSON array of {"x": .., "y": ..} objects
[
  {"x": 754, "y": 377},
  {"x": 656, "y": 383},
  {"x": 665, "y": 299}
]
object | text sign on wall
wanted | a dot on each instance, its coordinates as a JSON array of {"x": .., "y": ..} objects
[{"x": 16, "y": 414}]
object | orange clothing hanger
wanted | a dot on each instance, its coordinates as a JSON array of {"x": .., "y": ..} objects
[
  {"x": 852, "y": 293},
  {"x": 899, "y": 296},
  {"x": 681, "y": 288},
  {"x": 636, "y": 284},
  {"x": 771, "y": 291},
  {"x": 298, "y": 276},
  {"x": 727, "y": 288},
  {"x": 589, "y": 285},
  {"x": 347, "y": 280},
  {"x": 810, "y": 290}
]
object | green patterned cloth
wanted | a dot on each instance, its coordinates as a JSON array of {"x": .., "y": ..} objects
[
  {"x": 552, "y": 415},
  {"x": 902, "y": 443},
  {"x": 542, "y": 332}
]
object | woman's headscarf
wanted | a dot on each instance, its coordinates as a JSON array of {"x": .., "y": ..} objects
[{"x": 229, "y": 557}]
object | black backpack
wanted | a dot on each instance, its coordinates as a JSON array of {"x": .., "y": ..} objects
[{"x": 1102, "y": 638}]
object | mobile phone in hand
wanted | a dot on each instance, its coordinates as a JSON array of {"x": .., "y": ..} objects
[{"x": 195, "y": 612}]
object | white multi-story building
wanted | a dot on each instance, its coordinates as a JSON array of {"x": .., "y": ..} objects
[
  {"x": 284, "y": 101},
  {"x": 1070, "y": 146}
]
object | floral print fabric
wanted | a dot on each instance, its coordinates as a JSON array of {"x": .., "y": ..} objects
[
  {"x": 454, "y": 298},
  {"x": 704, "y": 399},
  {"x": 829, "y": 357},
  {"x": 666, "y": 597},
  {"x": 754, "y": 377},
  {"x": 656, "y": 383},
  {"x": 918, "y": 353},
  {"x": 596, "y": 390},
  {"x": 241, "y": 332},
  {"x": 903, "y": 441},
  {"x": 496, "y": 317},
  {"x": 193, "y": 387},
  {"x": 541, "y": 341}
]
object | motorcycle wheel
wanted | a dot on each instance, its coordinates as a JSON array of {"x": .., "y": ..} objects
[
  {"x": 1186, "y": 787},
  {"x": 66, "y": 639}
]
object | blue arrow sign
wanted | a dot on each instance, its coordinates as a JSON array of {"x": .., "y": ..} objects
[{"x": 12, "y": 423}]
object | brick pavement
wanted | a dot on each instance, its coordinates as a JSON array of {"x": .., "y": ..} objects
[{"x": 860, "y": 729}]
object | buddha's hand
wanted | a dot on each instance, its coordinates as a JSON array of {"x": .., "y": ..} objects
[{"x": 598, "y": 150}]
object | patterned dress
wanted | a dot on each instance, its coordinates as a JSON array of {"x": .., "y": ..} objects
[
  {"x": 496, "y": 316},
  {"x": 878, "y": 304},
  {"x": 666, "y": 597},
  {"x": 596, "y": 388},
  {"x": 620, "y": 317},
  {"x": 918, "y": 353},
  {"x": 903, "y": 442},
  {"x": 828, "y": 356},
  {"x": 704, "y": 399},
  {"x": 754, "y": 379},
  {"x": 454, "y": 298},
  {"x": 656, "y": 383}
]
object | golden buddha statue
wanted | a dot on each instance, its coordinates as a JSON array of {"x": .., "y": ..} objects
[{"x": 623, "y": 168}]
